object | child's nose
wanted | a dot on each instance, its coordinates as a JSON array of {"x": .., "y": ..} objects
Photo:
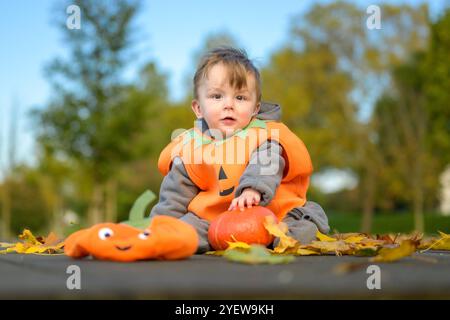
[{"x": 229, "y": 103}]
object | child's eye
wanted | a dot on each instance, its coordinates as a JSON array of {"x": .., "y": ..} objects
[
  {"x": 240, "y": 98},
  {"x": 216, "y": 96}
]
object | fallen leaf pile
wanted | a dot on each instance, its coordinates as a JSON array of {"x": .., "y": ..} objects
[
  {"x": 381, "y": 248},
  {"x": 342, "y": 244},
  {"x": 34, "y": 245}
]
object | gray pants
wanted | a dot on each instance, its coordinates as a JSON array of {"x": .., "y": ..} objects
[{"x": 303, "y": 223}]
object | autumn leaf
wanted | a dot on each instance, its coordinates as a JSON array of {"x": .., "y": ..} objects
[
  {"x": 323, "y": 237},
  {"x": 443, "y": 243},
  {"x": 337, "y": 247},
  {"x": 215, "y": 253},
  {"x": 257, "y": 254},
  {"x": 387, "y": 238},
  {"x": 306, "y": 252},
  {"x": 343, "y": 236},
  {"x": 6, "y": 245},
  {"x": 36, "y": 245},
  {"x": 406, "y": 248},
  {"x": 279, "y": 230},
  {"x": 237, "y": 244},
  {"x": 28, "y": 237},
  {"x": 354, "y": 239}
]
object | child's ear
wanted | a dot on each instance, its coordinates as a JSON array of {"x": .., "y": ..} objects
[
  {"x": 196, "y": 108},
  {"x": 258, "y": 106}
]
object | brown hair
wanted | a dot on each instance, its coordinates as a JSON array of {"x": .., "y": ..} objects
[{"x": 237, "y": 63}]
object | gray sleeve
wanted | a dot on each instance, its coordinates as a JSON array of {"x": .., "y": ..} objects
[
  {"x": 264, "y": 171},
  {"x": 176, "y": 192}
]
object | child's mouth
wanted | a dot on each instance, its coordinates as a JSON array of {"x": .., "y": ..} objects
[{"x": 228, "y": 120}]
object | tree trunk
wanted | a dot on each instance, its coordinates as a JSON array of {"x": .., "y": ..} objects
[
  {"x": 6, "y": 212},
  {"x": 368, "y": 201},
  {"x": 57, "y": 217},
  {"x": 95, "y": 213},
  {"x": 111, "y": 201},
  {"x": 419, "y": 221},
  {"x": 418, "y": 193}
]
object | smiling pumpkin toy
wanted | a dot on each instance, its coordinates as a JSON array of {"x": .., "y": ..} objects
[
  {"x": 138, "y": 238},
  {"x": 166, "y": 238}
]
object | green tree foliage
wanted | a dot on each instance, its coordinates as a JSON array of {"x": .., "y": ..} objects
[
  {"x": 437, "y": 88},
  {"x": 330, "y": 74},
  {"x": 28, "y": 206},
  {"x": 313, "y": 94},
  {"x": 88, "y": 118},
  {"x": 412, "y": 123},
  {"x": 95, "y": 118}
]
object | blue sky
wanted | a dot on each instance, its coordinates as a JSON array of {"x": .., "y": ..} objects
[{"x": 171, "y": 31}]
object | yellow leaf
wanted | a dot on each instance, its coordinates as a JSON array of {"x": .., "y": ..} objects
[
  {"x": 19, "y": 248},
  {"x": 371, "y": 243},
  {"x": 215, "y": 253},
  {"x": 279, "y": 230},
  {"x": 31, "y": 244},
  {"x": 274, "y": 228},
  {"x": 336, "y": 247},
  {"x": 406, "y": 248},
  {"x": 6, "y": 245},
  {"x": 306, "y": 252},
  {"x": 444, "y": 235},
  {"x": 323, "y": 237},
  {"x": 426, "y": 243},
  {"x": 440, "y": 244},
  {"x": 354, "y": 239},
  {"x": 343, "y": 236},
  {"x": 28, "y": 237},
  {"x": 237, "y": 245},
  {"x": 35, "y": 249}
]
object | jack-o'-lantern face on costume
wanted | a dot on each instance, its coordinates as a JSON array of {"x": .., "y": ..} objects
[
  {"x": 166, "y": 238},
  {"x": 225, "y": 187}
]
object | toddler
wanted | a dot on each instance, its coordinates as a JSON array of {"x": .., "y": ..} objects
[{"x": 237, "y": 155}]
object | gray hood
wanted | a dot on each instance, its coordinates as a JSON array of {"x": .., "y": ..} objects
[{"x": 267, "y": 111}]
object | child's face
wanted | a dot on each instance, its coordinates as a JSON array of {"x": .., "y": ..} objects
[{"x": 223, "y": 107}]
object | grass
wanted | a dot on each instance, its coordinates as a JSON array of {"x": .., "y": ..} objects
[{"x": 388, "y": 223}]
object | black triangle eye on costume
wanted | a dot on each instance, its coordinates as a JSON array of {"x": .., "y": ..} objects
[{"x": 223, "y": 176}]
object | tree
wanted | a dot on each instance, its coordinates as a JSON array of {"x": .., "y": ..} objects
[
  {"x": 94, "y": 114},
  {"x": 6, "y": 189},
  {"x": 436, "y": 87},
  {"x": 413, "y": 117},
  {"x": 362, "y": 58}
]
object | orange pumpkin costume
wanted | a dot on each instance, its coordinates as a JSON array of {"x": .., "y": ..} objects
[
  {"x": 216, "y": 166},
  {"x": 166, "y": 238}
]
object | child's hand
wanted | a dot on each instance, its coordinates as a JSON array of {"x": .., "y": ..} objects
[{"x": 248, "y": 197}]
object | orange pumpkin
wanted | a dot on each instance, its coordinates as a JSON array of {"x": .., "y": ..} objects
[
  {"x": 246, "y": 226},
  {"x": 166, "y": 238}
]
